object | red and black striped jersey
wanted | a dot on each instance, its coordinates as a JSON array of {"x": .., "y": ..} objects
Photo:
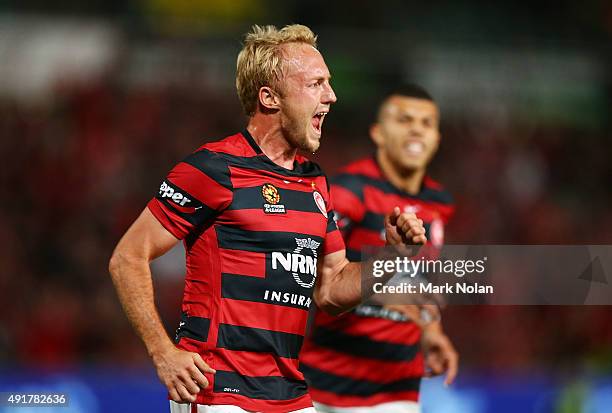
[
  {"x": 253, "y": 232},
  {"x": 370, "y": 355}
]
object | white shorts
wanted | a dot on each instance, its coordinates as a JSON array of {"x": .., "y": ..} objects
[
  {"x": 220, "y": 408},
  {"x": 390, "y": 407}
]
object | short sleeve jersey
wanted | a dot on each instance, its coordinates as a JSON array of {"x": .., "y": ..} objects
[
  {"x": 253, "y": 232},
  {"x": 371, "y": 355}
]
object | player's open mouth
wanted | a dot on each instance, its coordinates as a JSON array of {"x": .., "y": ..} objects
[
  {"x": 317, "y": 121},
  {"x": 414, "y": 148}
]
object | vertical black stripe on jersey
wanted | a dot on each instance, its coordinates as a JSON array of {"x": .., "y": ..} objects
[
  {"x": 266, "y": 388},
  {"x": 362, "y": 346},
  {"x": 346, "y": 386},
  {"x": 239, "y": 338}
]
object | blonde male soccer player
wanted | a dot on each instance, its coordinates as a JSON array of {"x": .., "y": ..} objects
[{"x": 261, "y": 243}]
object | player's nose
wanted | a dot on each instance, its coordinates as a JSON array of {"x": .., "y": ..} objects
[
  {"x": 416, "y": 131},
  {"x": 328, "y": 96}
]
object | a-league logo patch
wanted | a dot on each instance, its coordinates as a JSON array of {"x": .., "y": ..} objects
[
  {"x": 272, "y": 198},
  {"x": 270, "y": 194}
]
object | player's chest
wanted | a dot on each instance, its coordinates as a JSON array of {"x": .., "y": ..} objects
[
  {"x": 266, "y": 202},
  {"x": 378, "y": 204}
]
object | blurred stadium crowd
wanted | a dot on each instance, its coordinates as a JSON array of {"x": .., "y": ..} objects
[{"x": 78, "y": 167}]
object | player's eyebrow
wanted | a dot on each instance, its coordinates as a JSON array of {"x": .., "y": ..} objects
[
  {"x": 328, "y": 76},
  {"x": 320, "y": 78}
]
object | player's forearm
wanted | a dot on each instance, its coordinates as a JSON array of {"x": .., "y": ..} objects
[
  {"x": 132, "y": 279},
  {"x": 340, "y": 290},
  {"x": 347, "y": 284}
]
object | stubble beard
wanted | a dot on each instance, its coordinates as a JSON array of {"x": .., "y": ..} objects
[{"x": 297, "y": 136}]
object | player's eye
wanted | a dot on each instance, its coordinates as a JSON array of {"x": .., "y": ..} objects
[{"x": 404, "y": 119}]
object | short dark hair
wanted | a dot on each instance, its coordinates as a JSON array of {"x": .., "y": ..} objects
[{"x": 410, "y": 90}]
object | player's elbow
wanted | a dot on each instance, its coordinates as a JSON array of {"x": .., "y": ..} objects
[{"x": 117, "y": 264}]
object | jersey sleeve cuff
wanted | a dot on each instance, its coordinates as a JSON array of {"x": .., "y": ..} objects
[
  {"x": 333, "y": 242},
  {"x": 172, "y": 224}
]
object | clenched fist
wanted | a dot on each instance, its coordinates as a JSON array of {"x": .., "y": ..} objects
[{"x": 404, "y": 228}]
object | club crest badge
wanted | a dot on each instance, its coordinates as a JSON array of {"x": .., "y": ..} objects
[{"x": 318, "y": 198}]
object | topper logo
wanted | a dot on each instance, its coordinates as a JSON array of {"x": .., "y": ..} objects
[{"x": 166, "y": 191}]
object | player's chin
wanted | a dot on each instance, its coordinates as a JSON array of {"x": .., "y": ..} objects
[
  {"x": 314, "y": 146},
  {"x": 412, "y": 164},
  {"x": 312, "y": 142}
]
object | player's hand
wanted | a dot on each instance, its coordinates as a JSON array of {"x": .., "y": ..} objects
[
  {"x": 404, "y": 228},
  {"x": 182, "y": 372},
  {"x": 440, "y": 354}
]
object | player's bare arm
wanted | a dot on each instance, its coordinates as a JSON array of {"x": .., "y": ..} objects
[
  {"x": 182, "y": 372},
  {"x": 338, "y": 288}
]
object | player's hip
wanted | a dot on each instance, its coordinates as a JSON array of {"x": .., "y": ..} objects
[
  {"x": 390, "y": 407},
  {"x": 219, "y": 408}
]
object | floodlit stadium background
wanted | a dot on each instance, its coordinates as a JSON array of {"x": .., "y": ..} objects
[{"x": 99, "y": 99}]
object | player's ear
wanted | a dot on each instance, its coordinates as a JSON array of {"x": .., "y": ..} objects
[
  {"x": 375, "y": 134},
  {"x": 268, "y": 98}
]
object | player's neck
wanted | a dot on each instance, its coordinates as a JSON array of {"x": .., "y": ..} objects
[
  {"x": 269, "y": 137},
  {"x": 409, "y": 181}
]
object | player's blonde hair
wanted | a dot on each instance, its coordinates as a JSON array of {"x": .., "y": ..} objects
[{"x": 260, "y": 62}]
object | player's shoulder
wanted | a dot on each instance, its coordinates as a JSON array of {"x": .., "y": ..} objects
[
  {"x": 234, "y": 145},
  {"x": 362, "y": 168},
  {"x": 356, "y": 175},
  {"x": 213, "y": 158},
  {"x": 218, "y": 154},
  {"x": 434, "y": 191}
]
